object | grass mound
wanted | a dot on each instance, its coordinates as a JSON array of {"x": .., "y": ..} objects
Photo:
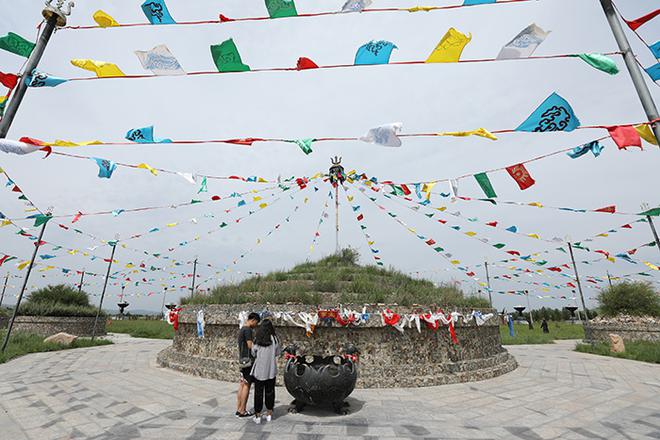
[
  {"x": 24, "y": 343},
  {"x": 337, "y": 278},
  {"x": 59, "y": 300},
  {"x": 630, "y": 298}
]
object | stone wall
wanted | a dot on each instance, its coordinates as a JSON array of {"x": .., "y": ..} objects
[
  {"x": 49, "y": 325},
  {"x": 388, "y": 358},
  {"x": 629, "y": 331}
]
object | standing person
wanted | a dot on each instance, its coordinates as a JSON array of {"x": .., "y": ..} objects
[
  {"x": 245, "y": 359},
  {"x": 544, "y": 326},
  {"x": 266, "y": 349}
]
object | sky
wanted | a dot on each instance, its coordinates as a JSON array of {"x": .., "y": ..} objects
[{"x": 328, "y": 103}]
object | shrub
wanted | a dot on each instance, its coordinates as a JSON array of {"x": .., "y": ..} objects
[
  {"x": 631, "y": 298},
  {"x": 59, "y": 300}
]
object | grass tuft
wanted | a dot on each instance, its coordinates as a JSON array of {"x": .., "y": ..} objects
[
  {"x": 24, "y": 343},
  {"x": 636, "y": 350},
  {"x": 558, "y": 330},
  {"x": 142, "y": 328}
]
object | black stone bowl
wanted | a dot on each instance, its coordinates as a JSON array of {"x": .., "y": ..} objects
[{"x": 319, "y": 380}]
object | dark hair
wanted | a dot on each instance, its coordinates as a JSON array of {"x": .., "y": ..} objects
[
  {"x": 264, "y": 332},
  {"x": 254, "y": 316}
]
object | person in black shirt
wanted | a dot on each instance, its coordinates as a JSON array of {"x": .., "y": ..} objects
[{"x": 245, "y": 360}]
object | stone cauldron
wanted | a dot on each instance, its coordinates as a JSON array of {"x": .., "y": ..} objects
[
  {"x": 388, "y": 358},
  {"x": 319, "y": 380}
]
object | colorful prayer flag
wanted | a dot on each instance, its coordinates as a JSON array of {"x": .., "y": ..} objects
[
  {"x": 226, "y": 57},
  {"x": 484, "y": 182},
  {"x": 554, "y": 114},
  {"x": 524, "y": 44},
  {"x": 646, "y": 133},
  {"x": 281, "y": 8},
  {"x": 600, "y": 62},
  {"x": 8, "y": 80},
  {"x": 450, "y": 47},
  {"x": 593, "y": 146},
  {"x": 655, "y": 48},
  {"x": 384, "y": 135},
  {"x": 160, "y": 61},
  {"x": 16, "y": 44},
  {"x": 17, "y": 147},
  {"x": 305, "y": 145},
  {"x": 145, "y": 135},
  {"x": 625, "y": 136},
  {"x": 634, "y": 24},
  {"x": 654, "y": 71},
  {"x": 355, "y": 5},
  {"x": 521, "y": 176},
  {"x": 156, "y": 12},
  {"x": 102, "y": 69},
  {"x": 42, "y": 79},
  {"x": 374, "y": 52},
  {"x": 481, "y": 132},
  {"x": 106, "y": 167},
  {"x": 104, "y": 19}
]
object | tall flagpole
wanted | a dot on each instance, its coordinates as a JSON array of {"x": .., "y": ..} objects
[
  {"x": 54, "y": 17},
  {"x": 490, "y": 297},
  {"x": 105, "y": 285},
  {"x": 633, "y": 68},
  {"x": 4, "y": 288},
  {"x": 577, "y": 278},
  {"x": 655, "y": 233}
]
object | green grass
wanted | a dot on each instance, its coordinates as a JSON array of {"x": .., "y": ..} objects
[
  {"x": 24, "y": 343},
  {"x": 142, "y": 328},
  {"x": 340, "y": 275},
  {"x": 558, "y": 330},
  {"x": 637, "y": 350}
]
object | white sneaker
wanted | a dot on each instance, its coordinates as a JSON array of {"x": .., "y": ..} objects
[
  {"x": 269, "y": 418},
  {"x": 257, "y": 420}
]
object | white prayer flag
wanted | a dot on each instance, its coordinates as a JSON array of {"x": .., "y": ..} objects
[
  {"x": 524, "y": 44},
  {"x": 355, "y": 5},
  {"x": 384, "y": 135},
  {"x": 17, "y": 147},
  {"x": 160, "y": 61}
]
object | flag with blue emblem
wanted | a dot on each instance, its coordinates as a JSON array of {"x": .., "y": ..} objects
[
  {"x": 106, "y": 167},
  {"x": 554, "y": 114},
  {"x": 160, "y": 61},
  {"x": 156, "y": 12},
  {"x": 42, "y": 79},
  {"x": 145, "y": 135}
]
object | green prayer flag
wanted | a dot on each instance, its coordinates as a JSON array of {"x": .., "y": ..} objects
[
  {"x": 655, "y": 212},
  {"x": 41, "y": 219},
  {"x": 397, "y": 190},
  {"x": 305, "y": 145},
  {"x": 194, "y": 201},
  {"x": 281, "y": 8},
  {"x": 600, "y": 62},
  {"x": 203, "y": 187},
  {"x": 438, "y": 249},
  {"x": 223, "y": 225},
  {"x": 227, "y": 58},
  {"x": 499, "y": 245},
  {"x": 16, "y": 44},
  {"x": 22, "y": 197},
  {"x": 484, "y": 183}
]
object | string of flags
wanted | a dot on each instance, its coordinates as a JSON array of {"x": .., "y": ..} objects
[
  {"x": 323, "y": 218},
  {"x": 359, "y": 216},
  {"x": 654, "y": 70},
  {"x": 157, "y": 13}
]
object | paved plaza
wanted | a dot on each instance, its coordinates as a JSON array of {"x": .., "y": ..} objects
[{"x": 118, "y": 392}]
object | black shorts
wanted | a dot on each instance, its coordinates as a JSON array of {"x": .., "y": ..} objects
[{"x": 246, "y": 376}]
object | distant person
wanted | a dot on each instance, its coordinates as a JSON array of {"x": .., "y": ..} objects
[
  {"x": 544, "y": 326},
  {"x": 245, "y": 360},
  {"x": 266, "y": 349}
]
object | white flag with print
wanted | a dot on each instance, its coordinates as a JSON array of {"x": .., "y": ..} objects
[
  {"x": 524, "y": 44},
  {"x": 384, "y": 135},
  {"x": 160, "y": 61}
]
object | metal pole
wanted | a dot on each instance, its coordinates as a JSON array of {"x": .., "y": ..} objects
[
  {"x": 162, "y": 307},
  {"x": 529, "y": 307},
  {"x": 4, "y": 288},
  {"x": 577, "y": 278},
  {"x": 192, "y": 288},
  {"x": 105, "y": 285},
  {"x": 82, "y": 278},
  {"x": 54, "y": 17},
  {"x": 609, "y": 278},
  {"x": 337, "y": 219},
  {"x": 655, "y": 233},
  {"x": 490, "y": 297},
  {"x": 25, "y": 281},
  {"x": 633, "y": 68}
]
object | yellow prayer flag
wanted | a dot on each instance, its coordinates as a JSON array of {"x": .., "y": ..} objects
[
  {"x": 611, "y": 259},
  {"x": 427, "y": 189},
  {"x": 104, "y": 19},
  {"x": 30, "y": 210},
  {"x": 144, "y": 166},
  {"x": 449, "y": 49},
  {"x": 101, "y": 68},
  {"x": 316, "y": 176},
  {"x": 534, "y": 236},
  {"x": 371, "y": 243},
  {"x": 22, "y": 265},
  {"x": 256, "y": 198},
  {"x": 129, "y": 266},
  {"x": 306, "y": 200},
  {"x": 44, "y": 269},
  {"x": 537, "y": 204},
  {"x": 86, "y": 254},
  {"x": 5, "y": 223},
  {"x": 441, "y": 208},
  {"x": 171, "y": 225},
  {"x": 455, "y": 262},
  {"x": 482, "y": 284},
  {"x": 652, "y": 266},
  {"x": 470, "y": 234},
  {"x": 603, "y": 235},
  {"x": 420, "y": 8},
  {"x": 481, "y": 132},
  {"x": 263, "y": 205},
  {"x": 64, "y": 143},
  {"x": 73, "y": 251},
  {"x": 645, "y": 133},
  {"x": 350, "y": 198},
  {"x": 262, "y": 180}
]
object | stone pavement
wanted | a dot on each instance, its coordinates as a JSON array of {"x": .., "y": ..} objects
[{"x": 118, "y": 392}]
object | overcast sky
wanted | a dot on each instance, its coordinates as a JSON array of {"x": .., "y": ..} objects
[{"x": 338, "y": 102}]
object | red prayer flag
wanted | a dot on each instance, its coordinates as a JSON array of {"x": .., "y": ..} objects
[
  {"x": 554, "y": 269},
  {"x": 360, "y": 217},
  {"x": 77, "y": 217},
  {"x": 32, "y": 141},
  {"x": 493, "y": 224},
  {"x": 405, "y": 189},
  {"x": 628, "y": 226},
  {"x": 513, "y": 252},
  {"x": 634, "y": 24},
  {"x": 224, "y": 19},
  {"x": 570, "y": 284},
  {"x": 430, "y": 242},
  {"x": 8, "y": 80},
  {"x": 625, "y": 136},
  {"x": 305, "y": 63},
  {"x": 246, "y": 141},
  {"x": 611, "y": 209},
  {"x": 215, "y": 198},
  {"x": 521, "y": 176}
]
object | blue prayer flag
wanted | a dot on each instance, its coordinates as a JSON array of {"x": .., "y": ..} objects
[
  {"x": 106, "y": 167},
  {"x": 554, "y": 114},
  {"x": 477, "y": 2},
  {"x": 374, "y": 52},
  {"x": 145, "y": 135},
  {"x": 592, "y": 146},
  {"x": 512, "y": 229},
  {"x": 654, "y": 72},
  {"x": 510, "y": 324},
  {"x": 156, "y": 12},
  {"x": 42, "y": 79},
  {"x": 655, "y": 48}
]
